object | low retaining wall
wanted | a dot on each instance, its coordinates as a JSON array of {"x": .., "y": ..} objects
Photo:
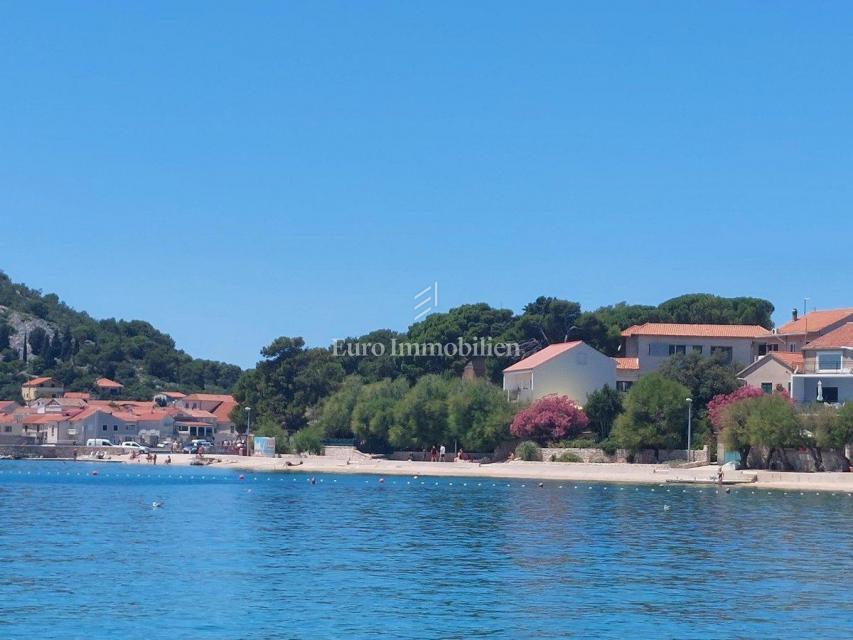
[
  {"x": 799, "y": 460},
  {"x": 420, "y": 456},
  {"x": 57, "y": 451},
  {"x": 646, "y": 456}
]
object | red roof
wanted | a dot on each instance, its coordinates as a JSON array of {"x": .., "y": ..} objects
[
  {"x": 840, "y": 337},
  {"x": 223, "y": 409},
  {"x": 793, "y": 361},
  {"x": 106, "y": 383},
  {"x": 39, "y": 381},
  {"x": 80, "y": 395},
  {"x": 627, "y": 364},
  {"x": 41, "y": 418},
  {"x": 816, "y": 321},
  {"x": 210, "y": 397},
  {"x": 175, "y": 395},
  {"x": 542, "y": 356},
  {"x": 696, "y": 330}
]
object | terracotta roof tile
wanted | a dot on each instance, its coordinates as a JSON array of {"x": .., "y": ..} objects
[
  {"x": 816, "y": 321},
  {"x": 627, "y": 364},
  {"x": 840, "y": 337},
  {"x": 696, "y": 330},
  {"x": 793, "y": 361},
  {"x": 37, "y": 381},
  {"x": 80, "y": 395},
  {"x": 106, "y": 383},
  {"x": 542, "y": 356},
  {"x": 210, "y": 397}
]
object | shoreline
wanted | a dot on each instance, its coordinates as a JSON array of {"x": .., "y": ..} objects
[{"x": 611, "y": 472}]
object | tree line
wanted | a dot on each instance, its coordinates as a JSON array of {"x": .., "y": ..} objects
[{"x": 76, "y": 349}]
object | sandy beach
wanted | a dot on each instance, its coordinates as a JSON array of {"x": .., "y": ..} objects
[{"x": 542, "y": 471}]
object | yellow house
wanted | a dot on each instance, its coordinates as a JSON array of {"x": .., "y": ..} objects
[{"x": 41, "y": 388}]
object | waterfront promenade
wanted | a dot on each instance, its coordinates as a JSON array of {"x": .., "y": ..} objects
[{"x": 541, "y": 471}]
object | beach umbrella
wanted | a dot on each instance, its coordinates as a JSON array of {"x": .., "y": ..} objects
[{"x": 819, "y": 391}]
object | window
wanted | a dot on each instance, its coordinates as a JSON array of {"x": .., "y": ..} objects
[
  {"x": 104, "y": 428},
  {"x": 830, "y": 394},
  {"x": 767, "y": 387},
  {"x": 658, "y": 349},
  {"x": 697, "y": 348},
  {"x": 115, "y": 427},
  {"x": 7, "y": 428},
  {"x": 623, "y": 385},
  {"x": 829, "y": 361},
  {"x": 792, "y": 347},
  {"x": 725, "y": 353},
  {"x": 677, "y": 348},
  {"x": 764, "y": 348}
]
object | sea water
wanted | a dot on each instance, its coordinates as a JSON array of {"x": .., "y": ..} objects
[{"x": 84, "y": 553}]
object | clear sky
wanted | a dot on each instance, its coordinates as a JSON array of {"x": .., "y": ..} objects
[{"x": 232, "y": 172}]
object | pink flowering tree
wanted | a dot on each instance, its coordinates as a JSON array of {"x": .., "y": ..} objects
[
  {"x": 719, "y": 403},
  {"x": 550, "y": 418}
]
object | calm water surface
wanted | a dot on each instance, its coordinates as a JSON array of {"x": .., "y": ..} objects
[{"x": 273, "y": 556}]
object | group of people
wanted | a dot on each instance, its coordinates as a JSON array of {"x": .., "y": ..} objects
[{"x": 439, "y": 454}]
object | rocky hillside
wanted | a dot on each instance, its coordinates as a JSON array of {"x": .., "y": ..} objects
[{"x": 41, "y": 335}]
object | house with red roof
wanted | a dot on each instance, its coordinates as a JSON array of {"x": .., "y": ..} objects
[
  {"x": 572, "y": 369},
  {"x": 43, "y": 387},
  {"x": 653, "y": 342},
  {"x": 794, "y": 335},
  {"x": 827, "y": 373},
  {"x": 772, "y": 371},
  {"x": 107, "y": 387}
]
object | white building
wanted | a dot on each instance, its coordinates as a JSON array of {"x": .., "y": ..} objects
[
  {"x": 654, "y": 342},
  {"x": 827, "y": 374},
  {"x": 572, "y": 369}
]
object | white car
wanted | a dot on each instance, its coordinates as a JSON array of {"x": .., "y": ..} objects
[{"x": 130, "y": 444}]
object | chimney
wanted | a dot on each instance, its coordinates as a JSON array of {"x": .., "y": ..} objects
[{"x": 794, "y": 314}]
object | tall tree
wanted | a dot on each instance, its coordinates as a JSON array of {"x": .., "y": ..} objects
[{"x": 655, "y": 415}]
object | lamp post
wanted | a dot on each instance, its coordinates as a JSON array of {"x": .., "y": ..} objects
[
  {"x": 689, "y": 429},
  {"x": 248, "y": 427}
]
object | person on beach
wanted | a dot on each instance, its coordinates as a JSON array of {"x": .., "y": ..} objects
[
  {"x": 155, "y": 458},
  {"x": 441, "y": 453},
  {"x": 168, "y": 459},
  {"x": 720, "y": 476},
  {"x": 75, "y": 455},
  {"x": 433, "y": 454}
]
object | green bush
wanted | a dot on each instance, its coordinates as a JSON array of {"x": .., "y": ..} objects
[
  {"x": 528, "y": 451},
  {"x": 577, "y": 443},
  {"x": 608, "y": 446},
  {"x": 307, "y": 440},
  {"x": 568, "y": 456}
]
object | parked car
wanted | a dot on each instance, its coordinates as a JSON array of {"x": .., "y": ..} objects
[
  {"x": 193, "y": 446},
  {"x": 130, "y": 444},
  {"x": 99, "y": 442}
]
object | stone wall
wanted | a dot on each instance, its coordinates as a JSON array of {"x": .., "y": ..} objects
[
  {"x": 57, "y": 451},
  {"x": 799, "y": 460},
  {"x": 646, "y": 456}
]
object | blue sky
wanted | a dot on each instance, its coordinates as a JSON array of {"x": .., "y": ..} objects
[{"x": 233, "y": 172}]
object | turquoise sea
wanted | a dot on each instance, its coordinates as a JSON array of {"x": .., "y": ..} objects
[{"x": 274, "y": 556}]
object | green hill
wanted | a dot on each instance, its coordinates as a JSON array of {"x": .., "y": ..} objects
[{"x": 41, "y": 335}]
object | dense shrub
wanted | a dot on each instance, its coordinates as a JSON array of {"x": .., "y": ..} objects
[
  {"x": 529, "y": 451},
  {"x": 551, "y": 417}
]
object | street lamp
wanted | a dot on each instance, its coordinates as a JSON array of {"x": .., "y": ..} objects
[
  {"x": 689, "y": 429},
  {"x": 248, "y": 427}
]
